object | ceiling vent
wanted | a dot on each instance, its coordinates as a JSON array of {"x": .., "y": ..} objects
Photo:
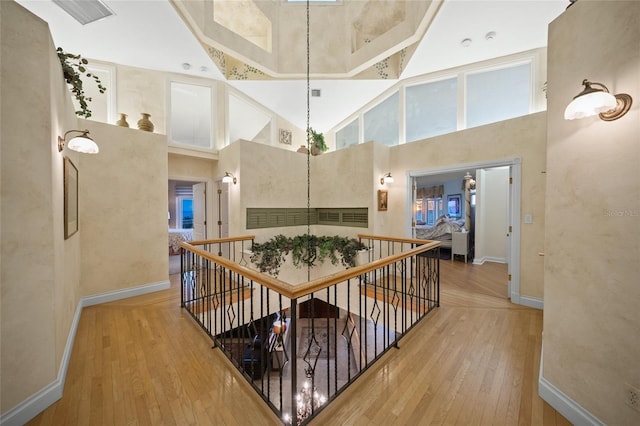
[
  {"x": 315, "y": 93},
  {"x": 85, "y": 11}
]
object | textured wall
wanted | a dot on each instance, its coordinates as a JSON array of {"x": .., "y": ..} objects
[
  {"x": 592, "y": 244},
  {"x": 39, "y": 269},
  {"x": 523, "y": 137},
  {"x": 123, "y": 205}
]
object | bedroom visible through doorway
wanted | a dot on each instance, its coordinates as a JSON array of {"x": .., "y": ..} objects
[
  {"x": 187, "y": 212},
  {"x": 483, "y": 209}
]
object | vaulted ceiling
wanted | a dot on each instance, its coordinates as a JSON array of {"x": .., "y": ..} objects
[
  {"x": 358, "y": 48},
  {"x": 265, "y": 39}
]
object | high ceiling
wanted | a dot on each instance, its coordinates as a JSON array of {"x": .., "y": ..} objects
[
  {"x": 265, "y": 39},
  {"x": 153, "y": 34}
]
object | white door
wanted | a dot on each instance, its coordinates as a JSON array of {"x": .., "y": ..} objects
[
  {"x": 509, "y": 230},
  {"x": 199, "y": 211}
]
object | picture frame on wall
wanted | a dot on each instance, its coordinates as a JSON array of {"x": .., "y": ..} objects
[
  {"x": 70, "y": 198},
  {"x": 383, "y": 200},
  {"x": 454, "y": 206}
]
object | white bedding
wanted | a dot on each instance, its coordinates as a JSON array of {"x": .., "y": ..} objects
[
  {"x": 441, "y": 231},
  {"x": 176, "y": 236}
]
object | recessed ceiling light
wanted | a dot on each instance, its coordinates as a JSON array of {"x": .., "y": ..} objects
[
  {"x": 186, "y": 65},
  {"x": 490, "y": 35},
  {"x": 466, "y": 42}
]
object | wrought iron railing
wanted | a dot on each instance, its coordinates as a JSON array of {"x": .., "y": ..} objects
[{"x": 301, "y": 345}]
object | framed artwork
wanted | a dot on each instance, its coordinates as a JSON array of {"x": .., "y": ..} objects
[
  {"x": 454, "y": 208},
  {"x": 382, "y": 200},
  {"x": 70, "y": 198},
  {"x": 285, "y": 136}
]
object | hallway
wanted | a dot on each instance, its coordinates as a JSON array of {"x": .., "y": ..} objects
[{"x": 475, "y": 360}]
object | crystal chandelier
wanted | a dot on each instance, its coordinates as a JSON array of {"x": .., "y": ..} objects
[{"x": 308, "y": 401}]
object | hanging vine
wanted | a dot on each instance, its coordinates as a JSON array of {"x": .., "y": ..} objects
[
  {"x": 306, "y": 250},
  {"x": 73, "y": 67}
]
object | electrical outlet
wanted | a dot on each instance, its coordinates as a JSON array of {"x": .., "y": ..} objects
[{"x": 632, "y": 396}]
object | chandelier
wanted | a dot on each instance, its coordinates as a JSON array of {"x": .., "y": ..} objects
[{"x": 308, "y": 401}]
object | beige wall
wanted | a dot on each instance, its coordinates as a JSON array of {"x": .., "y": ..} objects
[
  {"x": 269, "y": 177},
  {"x": 592, "y": 245},
  {"x": 123, "y": 210},
  {"x": 523, "y": 137},
  {"x": 40, "y": 274},
  {"x": 122, "y": 193}
]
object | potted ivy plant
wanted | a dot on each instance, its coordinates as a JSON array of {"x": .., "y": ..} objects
[
  {"x": 73, "y": 68},
  {"x": 318, "y": 145},
  {"x": 306, "y": 250}
]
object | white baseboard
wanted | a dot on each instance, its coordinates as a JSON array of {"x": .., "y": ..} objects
[
  {"x": 564, "y": 405},
  {"x": 39, "y": 401},
  {"x": 481, "y": 260},
  {"x": 124, "y": 293},
  {"x": 532, "y": 302}
]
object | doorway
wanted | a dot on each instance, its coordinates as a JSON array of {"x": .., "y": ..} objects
[
  {"x": 188, "y": 211},
  {"x": 508, "y": 233}
]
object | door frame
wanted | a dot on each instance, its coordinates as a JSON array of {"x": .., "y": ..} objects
[
  {"x": 209, "y": 199},
  {"x": 515, "y": 165}
]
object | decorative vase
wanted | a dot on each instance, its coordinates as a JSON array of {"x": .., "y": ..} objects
[
  {"x": 144, "y": 123},
  {"x": 315, "y": 150},
  {"x": 123, "y": 120},
  {"x": 303, "y": 149}
]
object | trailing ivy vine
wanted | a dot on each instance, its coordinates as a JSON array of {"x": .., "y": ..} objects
[
  {"x": 73, "y": 67},
  {"x": 306, "y": 250}
]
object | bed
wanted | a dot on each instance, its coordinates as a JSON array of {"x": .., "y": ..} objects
[
  {"x": 176, "y": 236},
  {"x": 441, "y": 231}
]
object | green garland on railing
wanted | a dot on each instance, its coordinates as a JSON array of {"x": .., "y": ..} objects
[{"x": 306, "y": 250}]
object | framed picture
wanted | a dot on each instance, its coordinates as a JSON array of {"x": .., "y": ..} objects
[
  {"x": 454, "y": 208},
  {"x": 285, "y": 136},
  {"x": 382, "y": 200},
  {"x": 70, "y": 198}
]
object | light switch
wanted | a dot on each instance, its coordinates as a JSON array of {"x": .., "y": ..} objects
[{"x": 528, "y": 218}]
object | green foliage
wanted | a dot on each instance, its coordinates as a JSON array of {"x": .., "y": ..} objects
[
  {"x": 306, "y": 250},
  {"x": 318, "y": 140},
  {"x": 73, "y": 67}
]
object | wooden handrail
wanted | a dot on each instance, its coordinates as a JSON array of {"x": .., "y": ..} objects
[
  {"x": 300, "y": 290},
  {"x": 396, "y": 239},
  {"x": 222, "y": 240}
]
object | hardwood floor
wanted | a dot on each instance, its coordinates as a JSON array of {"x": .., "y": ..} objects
[{"x": 475, "y": 360}]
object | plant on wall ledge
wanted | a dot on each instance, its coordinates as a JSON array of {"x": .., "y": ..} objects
[
  {"x": 306, "y": 250},
  {"x": 73, "y": 67},
  {"x": 318, "y": 145}
]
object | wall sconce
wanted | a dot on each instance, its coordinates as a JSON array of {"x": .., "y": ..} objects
[
  {"x": 386, "y": 179},
  {"x": 597, "y": 101},
  {"x": 228, "y": 178},
  {"x": 81, "y": 143}
]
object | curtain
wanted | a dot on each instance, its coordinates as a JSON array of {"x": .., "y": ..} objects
[{"x": 432, "y": 192}]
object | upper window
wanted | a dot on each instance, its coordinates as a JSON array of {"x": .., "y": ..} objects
[
  {"x": 382, "y": 122},
  {"x": 437, "y": 104},
  {"x": 498, "y": 95},
  {"x": 431, "y": 109},
  {"x": 348, "y": 135},
  {"x": 191, "y": 121}
]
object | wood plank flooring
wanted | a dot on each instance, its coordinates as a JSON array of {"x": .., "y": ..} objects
[{"x": 475, "y": 360}]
